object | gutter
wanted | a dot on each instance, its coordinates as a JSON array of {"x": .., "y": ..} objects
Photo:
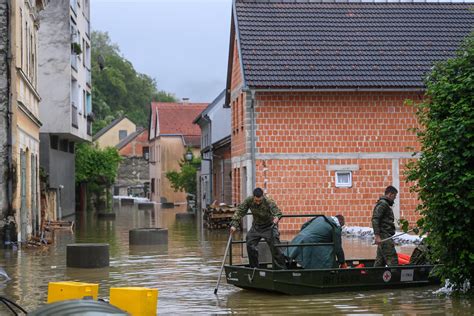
[{"x": 415, "y": 89}]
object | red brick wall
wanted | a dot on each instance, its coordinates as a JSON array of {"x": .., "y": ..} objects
[
  {"x": 135, "y": 147},
  {"x": 332, "y": 123},
  {"x": 238, "y": 143},
  {"x": 335, "y": 122}
]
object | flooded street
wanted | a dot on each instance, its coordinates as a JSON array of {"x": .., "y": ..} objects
[{"x": 185, "y": 273}]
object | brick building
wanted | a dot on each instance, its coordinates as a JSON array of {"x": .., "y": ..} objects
[{"x": 318, "y": 92}]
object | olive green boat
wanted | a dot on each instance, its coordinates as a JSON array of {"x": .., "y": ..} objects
[
  {"x": 300, "y": 281},
  {"x": 360, "y": 275}
]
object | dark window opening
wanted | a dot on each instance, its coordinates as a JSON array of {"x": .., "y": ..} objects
[
  {"x": 64, "y": 145},
  {"x": 54, "y": 142},
  {"x": 146, "y": 152},
  {"x": 122, "y": 134},
  {"x": 71, "y": 147}
]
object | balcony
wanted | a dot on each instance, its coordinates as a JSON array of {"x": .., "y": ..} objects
[
  {"x": 89, "y": 78},
  {"x": 74, "y": 61},
  {"x": 73, "y": 4},
  {"x": 88, "y": 28},
  {"x": 74, "y": 116},
  {"x": 89, "y": 128}
]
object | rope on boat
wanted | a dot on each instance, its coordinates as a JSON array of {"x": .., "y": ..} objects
[{"x": 253, "y": 274}]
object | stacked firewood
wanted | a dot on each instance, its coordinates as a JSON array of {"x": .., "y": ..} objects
[{"x": 218, "y": 216}]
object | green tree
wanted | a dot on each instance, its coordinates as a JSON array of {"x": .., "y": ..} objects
[
  {"x": 185, "y": 179},
  {"x": 444, "y": 174},
  {"x": 96, "y": 167},
  {"x": 118, "y": 88}
]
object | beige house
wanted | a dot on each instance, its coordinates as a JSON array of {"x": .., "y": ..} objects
[
  {"x": 172, "y": 133},
  {"x": 113, "y": 133},
  {"x": 20, "y": 196}
]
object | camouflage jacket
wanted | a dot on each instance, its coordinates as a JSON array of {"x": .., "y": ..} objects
[
  {"x": 262, "y": 214},
  {"x": 383, "y": 220}
]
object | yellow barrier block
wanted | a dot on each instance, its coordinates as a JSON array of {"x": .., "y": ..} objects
[
  {"x": 61, "y": 291},
  {"x": 137, "y": 301}
]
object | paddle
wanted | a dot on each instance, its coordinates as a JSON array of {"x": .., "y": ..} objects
[
  {"x": 394, "y": 236},
  {"x": 223, "y": 262}
]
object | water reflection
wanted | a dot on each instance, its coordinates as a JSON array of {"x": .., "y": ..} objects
[{"x": 185, "y": 272}]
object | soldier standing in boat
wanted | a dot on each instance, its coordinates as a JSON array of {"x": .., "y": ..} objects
[
  {"x": 383, "y": 223},
  {"x": 266, "y": 216}
]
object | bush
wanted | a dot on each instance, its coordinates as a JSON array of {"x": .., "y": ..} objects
[{"x": 444, "y": 174}]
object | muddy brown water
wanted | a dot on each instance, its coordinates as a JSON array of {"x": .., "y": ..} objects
[{"x": 185, "y": 273}]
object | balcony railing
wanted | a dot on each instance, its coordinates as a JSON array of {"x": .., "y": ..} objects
[
  {"x": 74, "y": 5},
  {"x": 89, "y": 77},
  {"x": 74, "y": 61},
  {"x": 88, "y": 28},
  {"x": 89, "y": 128},
  {"x": 74, "y": 116}
]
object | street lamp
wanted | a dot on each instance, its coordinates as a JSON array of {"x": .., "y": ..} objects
[{"x": 189, "y": 155}]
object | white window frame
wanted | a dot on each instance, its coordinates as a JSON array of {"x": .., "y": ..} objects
[{"x": 343, "y": 184}]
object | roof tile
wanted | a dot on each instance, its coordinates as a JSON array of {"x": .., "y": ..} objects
[
  {"x": 292, "y": 44},
  {"x": 177, "y": 118}
]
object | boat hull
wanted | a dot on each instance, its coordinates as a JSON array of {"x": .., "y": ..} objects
[{"x": 315, "y": 281}]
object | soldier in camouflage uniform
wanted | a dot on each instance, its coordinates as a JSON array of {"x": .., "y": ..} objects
[
  {"x": 383, "y": 223},
  {"x": 266, "y": 215}
]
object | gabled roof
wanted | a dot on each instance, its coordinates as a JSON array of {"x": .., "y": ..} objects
[
  {"x": 296, "y": 44},
  {"x": 129, "y": 138},
  {"x": 175, "y": 118},
  {"x": 108, "y": 127},
  {"x": 209, "y": 107}
]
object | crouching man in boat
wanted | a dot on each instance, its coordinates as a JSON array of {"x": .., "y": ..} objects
[
  {"x": 320, "y": 229},
  {"x": 383, "y": 223},
  {"x": 266, "y": 215}
]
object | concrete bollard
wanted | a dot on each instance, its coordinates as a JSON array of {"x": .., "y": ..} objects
[
  {"x": 148, "y": 236},
  {"x": 185, "y": 216},
  {"x": 127, "y": 201},
  {"x": 87, "y": 255},
  {"x": 146, "y": 206},
  {"x": 104, "y": 215}
]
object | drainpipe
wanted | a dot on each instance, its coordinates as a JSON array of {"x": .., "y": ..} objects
[{"x": 252, "y": 137}]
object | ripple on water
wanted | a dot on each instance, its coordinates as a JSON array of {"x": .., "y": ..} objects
[{"x": 185, "y": 272}]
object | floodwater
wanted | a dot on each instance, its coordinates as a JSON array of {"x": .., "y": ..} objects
[{"x": 186, "y": 270}]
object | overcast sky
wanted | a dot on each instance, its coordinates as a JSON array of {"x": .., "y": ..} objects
[{"x": 183, "y": 44}]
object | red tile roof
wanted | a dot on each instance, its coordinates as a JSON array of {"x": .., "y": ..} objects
[
  {"x": 175, "y": 118},
  {"x": 192, "y": 141}
]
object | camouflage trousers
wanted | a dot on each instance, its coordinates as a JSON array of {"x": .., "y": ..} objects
[
  {"x": 272, "y": 236},
  {"x": 386, "y": 254}
]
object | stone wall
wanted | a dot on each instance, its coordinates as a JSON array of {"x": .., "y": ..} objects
[
  {"x": 132, "y": 171},
  {"x": 3, "y": 106}
]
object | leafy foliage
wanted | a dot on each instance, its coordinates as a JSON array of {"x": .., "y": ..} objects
[
  {"x": 444, "y": 175},
  {"x": 185, "y": 179},
  {"x": 97, "y": 167},
  {"x": 118, "y": 89}
]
